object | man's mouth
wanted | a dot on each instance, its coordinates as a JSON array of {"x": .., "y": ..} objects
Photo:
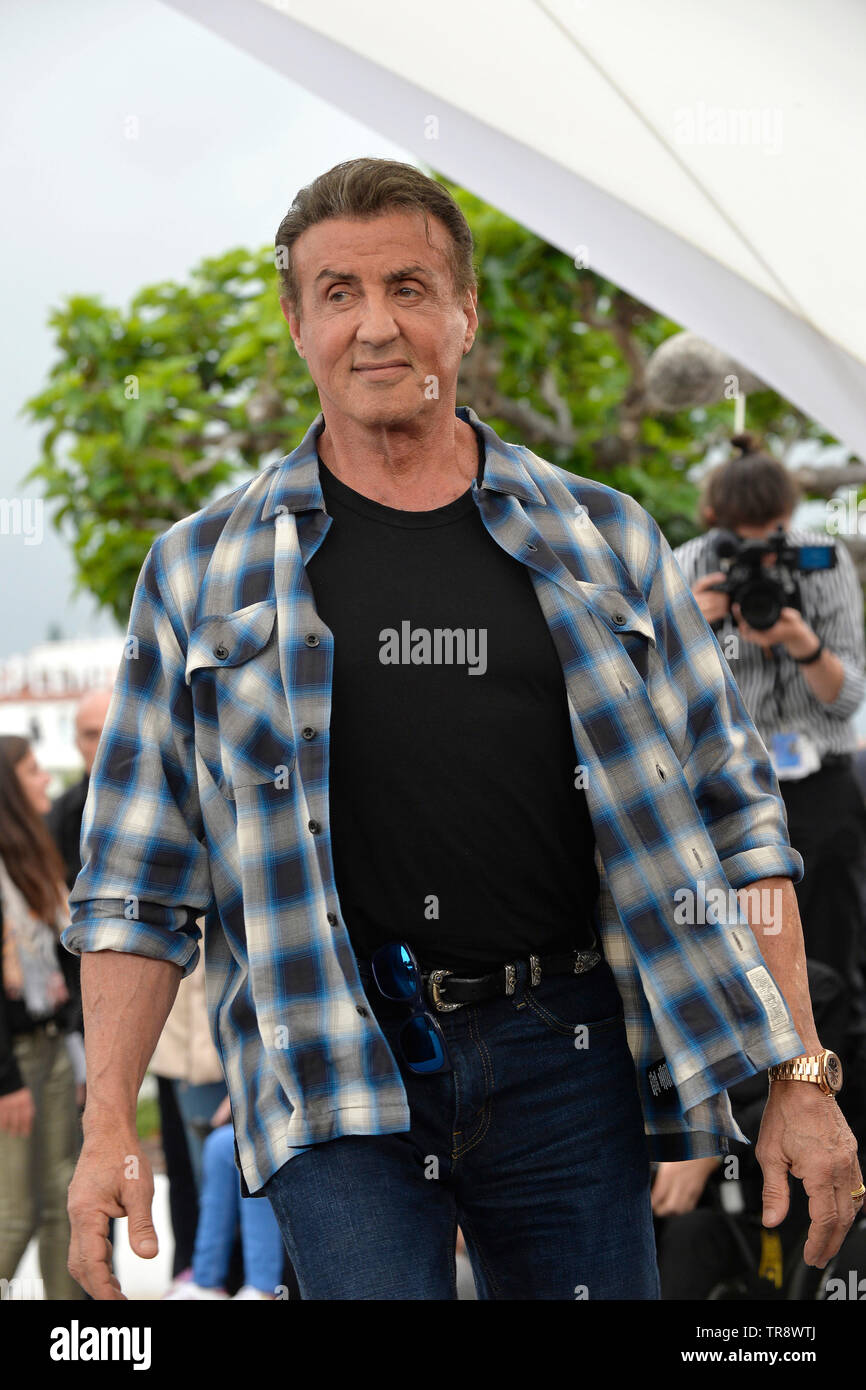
[{"x": 378, "y": 370}]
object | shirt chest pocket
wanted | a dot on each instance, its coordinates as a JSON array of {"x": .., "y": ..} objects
[
  {"x": 243, "y": 732},
  {"x": 629, "y": 620}
]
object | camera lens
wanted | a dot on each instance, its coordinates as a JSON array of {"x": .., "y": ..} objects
[{"x": 760, "y": 604}]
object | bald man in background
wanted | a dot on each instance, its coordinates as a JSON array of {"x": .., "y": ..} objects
[
  {"x": 64, "y": 818},
  {"x": 64, "y": 824}
]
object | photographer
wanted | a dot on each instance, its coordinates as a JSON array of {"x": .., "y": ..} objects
[{"x": 801, "y": 678}]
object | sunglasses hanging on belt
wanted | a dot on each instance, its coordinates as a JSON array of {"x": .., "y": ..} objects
[{"x": 398, "y": 977}]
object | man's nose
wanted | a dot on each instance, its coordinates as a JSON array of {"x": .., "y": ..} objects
[{"x": 377, "y": 324}]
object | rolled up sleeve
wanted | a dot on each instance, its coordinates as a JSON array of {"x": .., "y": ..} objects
[
  {"x": 724, "y": 758},
  {"x": 145, "y": 876}
]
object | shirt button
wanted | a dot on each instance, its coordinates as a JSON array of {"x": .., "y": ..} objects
[
  {"x": 333, "y": 919},
  {"x": 314, "y": 826},
  {"x": 359, "y": 1008},
  {"x": 308, "y": 732},
  {"x": 221, "y": 651},
  {"x": 311, "y": 639},
  {"x": 619, "y": 619}
]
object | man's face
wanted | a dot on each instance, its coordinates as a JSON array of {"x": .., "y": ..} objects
[
  {"x": 379, "y": 325},
  {"x": 89, "y": 720},
  {"x": 760, "y": 533}
]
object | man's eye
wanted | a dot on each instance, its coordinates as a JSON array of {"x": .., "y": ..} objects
[{"x": 404, "y": 289}]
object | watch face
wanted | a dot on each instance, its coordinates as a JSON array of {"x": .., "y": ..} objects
[{"x": 832, "y": 1071}]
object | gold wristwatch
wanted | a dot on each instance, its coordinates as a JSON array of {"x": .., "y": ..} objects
[{"x": 824, "y": 1069}]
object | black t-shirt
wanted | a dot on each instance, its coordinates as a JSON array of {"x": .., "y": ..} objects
[{"x": 455, "y": 821}]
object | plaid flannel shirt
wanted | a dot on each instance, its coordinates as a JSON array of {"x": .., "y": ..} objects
[{"x": 209, "y": 799}]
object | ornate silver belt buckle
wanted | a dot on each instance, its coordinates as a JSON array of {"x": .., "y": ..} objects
[
  {"x": 585, "y": 960},
  {"x": 534, "y": 971},
  {"x": 436, "y": 977},
  {"x": 510, "y": 978}
]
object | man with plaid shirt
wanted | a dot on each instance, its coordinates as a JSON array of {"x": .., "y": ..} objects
[{"x": 296, "y": 751}]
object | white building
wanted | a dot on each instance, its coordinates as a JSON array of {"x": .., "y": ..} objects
[{"x": 40, "y": 691}]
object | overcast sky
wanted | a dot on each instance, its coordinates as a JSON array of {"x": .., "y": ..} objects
[{"x": 224, "y": 144}]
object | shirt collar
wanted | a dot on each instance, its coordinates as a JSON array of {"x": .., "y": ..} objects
[{"x": 296, "y": 487}]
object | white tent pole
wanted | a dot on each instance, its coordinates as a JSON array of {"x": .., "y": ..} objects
[{"x": 739, "y": 412}]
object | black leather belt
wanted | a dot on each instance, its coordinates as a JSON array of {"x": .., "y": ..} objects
[
  {"x": 48, "y": 1026},
  {"x": 447, "y": 991}
]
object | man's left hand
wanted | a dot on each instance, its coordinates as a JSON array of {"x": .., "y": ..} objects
[
  {"x": 791, "y": 631},
  {"x": 804, "y": 1132}
]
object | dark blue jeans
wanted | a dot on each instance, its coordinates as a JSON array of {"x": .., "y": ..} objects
[{"x": 534, "y": 1143}]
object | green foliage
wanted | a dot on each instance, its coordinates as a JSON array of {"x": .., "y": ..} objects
[
  {"x": 151, "y": 413},
  {"x": 147, "y": 1117},
  {"x": 148, "y": 412},
  {"x": 544, "y": 314}
]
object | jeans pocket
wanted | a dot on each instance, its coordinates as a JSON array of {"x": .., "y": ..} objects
[{"x": 563, "y": 1003}]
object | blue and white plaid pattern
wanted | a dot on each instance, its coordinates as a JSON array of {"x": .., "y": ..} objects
[{"x": 209, "y": 798}]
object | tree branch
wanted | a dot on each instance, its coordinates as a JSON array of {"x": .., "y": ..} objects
[
  {"x": 826, "y": 481},
  {"x": 478, "y": 375}
]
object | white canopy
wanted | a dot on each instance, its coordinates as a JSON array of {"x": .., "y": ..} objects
[{"x": 706, "y": 157}]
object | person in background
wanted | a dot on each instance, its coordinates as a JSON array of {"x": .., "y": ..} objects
[
  {"x": 186, "y": 1059},
  {"x": 186, "y": 1054},
  {"x": 64, "y": 814},
  {"x": 182, "y": 1193},
  {"x": 220, "y": 1208},
  {"x": 191, "y": 1086},
  {"x": 801, "y": 680},
  {"x": 39, "y": 1128},
  {"x": 63, "y": 819},
  {"x": 706, "y": 1246}
]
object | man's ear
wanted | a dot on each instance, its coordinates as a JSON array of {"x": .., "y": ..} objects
[
  {"x": 294, "y": 323},
  {"x": 708, "y": 516},
  {"x": 470, "y": 309}
]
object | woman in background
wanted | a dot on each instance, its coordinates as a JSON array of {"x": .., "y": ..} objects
[{"x": 39, "y": 1125}]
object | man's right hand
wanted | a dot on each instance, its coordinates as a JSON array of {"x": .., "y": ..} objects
[
  {"x": 112, "y": 1178},
  {"x": 714, "y": 606}
]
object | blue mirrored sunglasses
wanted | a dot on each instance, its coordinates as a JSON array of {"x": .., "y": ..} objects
[{"x": 398, "y": 977}]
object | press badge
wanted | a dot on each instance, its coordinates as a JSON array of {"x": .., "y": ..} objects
[{"x": 793, "y": 756}]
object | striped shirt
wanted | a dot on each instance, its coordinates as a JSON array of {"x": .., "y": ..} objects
[
  {"x": 209, "y": 798},
  {"x": 774, "y": 688}
]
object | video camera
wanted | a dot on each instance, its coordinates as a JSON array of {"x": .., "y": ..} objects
[{"x": 762, "y": 591}]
